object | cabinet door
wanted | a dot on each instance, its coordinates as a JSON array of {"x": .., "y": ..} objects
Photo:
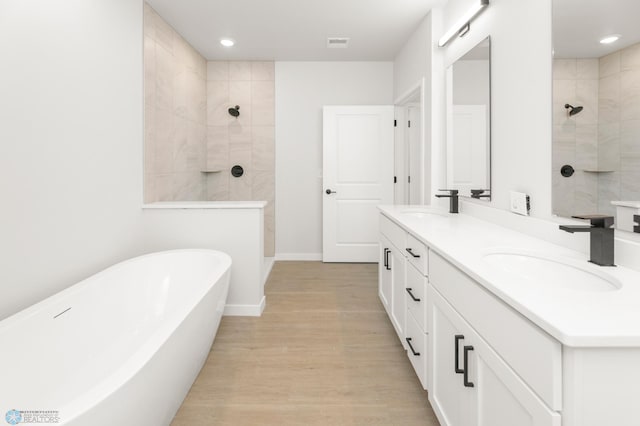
[
  {"x": 447, "y": 394},
  {"x": 487, "y": 392},
  {"x": 384, "y": 274},
  {"x": 501, "y": 397},
  {"x": 398, "y": 301}
]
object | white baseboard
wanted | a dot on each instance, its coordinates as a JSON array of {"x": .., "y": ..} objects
[
  {"x": 245, "y": 310},
  {"x": 299, "y": 256}
]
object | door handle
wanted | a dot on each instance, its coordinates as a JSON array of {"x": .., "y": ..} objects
[
  {"x": 386, "y": 259},
  {"x": 456, "y": 345},
  {"x": 329, "y": 192},
  {"x": 465, "y": 377}
]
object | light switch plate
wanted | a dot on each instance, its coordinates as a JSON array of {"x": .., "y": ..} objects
[{"x": 520, "y": 203}]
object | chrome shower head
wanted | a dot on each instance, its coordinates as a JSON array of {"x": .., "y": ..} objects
[
  {"x": 573, "y": 110},
  {"x": 235, "y": 111}
]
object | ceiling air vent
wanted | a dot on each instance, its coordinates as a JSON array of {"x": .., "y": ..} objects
[{"x": 337, "y": 42}]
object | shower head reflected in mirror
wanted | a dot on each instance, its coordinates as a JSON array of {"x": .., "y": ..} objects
[
  {"x": 572, "y": 110},
  {"x": 235, "y": 111}
]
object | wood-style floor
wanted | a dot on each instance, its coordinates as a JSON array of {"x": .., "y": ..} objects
[{"x": 323, "y": 353}]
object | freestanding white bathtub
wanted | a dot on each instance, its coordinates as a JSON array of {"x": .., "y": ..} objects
[{"x": 122, "y": 347}]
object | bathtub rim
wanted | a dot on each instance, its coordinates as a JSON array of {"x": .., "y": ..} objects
[{"x": 36, "y": 308}]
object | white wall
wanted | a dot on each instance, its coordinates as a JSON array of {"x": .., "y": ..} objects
[
  {"x": 239, "y": 232},
  {"x": 70, "y": 142},
  {"x": 302, "y": 88}
]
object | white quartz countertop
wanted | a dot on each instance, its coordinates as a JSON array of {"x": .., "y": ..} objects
[
  {"x": 206, "y": 205},
  {"x": 577, "y": 318}
]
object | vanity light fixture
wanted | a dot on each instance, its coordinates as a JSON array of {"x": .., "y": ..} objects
[
  {"x": 227, "y": 42},
  {"x": 610, "y": 39},
  {"x": 463, "y": 25}
]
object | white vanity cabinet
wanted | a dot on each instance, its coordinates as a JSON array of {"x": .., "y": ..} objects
[
  {"x": 471, "y": 383},
  {"x": 402, "y": 288},
  {"x": 492, "y": 353}
]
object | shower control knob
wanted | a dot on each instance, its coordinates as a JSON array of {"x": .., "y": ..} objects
[{"x": 329, "y": 192}]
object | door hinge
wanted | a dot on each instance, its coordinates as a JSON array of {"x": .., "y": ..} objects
[
  {"x": 409, "y": 123},
  {"x": 395, "y": 123},
  {"x": 409, "y": 179},
  {"x": 395, "y": 179}
]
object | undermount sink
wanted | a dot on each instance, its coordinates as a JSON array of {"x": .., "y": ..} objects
[
  {"x": 422, "y": 213},
  {"x": 540, "y": 269}
]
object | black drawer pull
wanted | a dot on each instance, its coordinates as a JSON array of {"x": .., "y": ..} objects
[
  {"x": 415, "y": 299},
  {"x": 412, "y": 253},
  {"x": 386, "y": 259},
  {"x": 465, "y": 377},
  {"x": 456, "y": 344},
  {"x": 408, "y": 339}
]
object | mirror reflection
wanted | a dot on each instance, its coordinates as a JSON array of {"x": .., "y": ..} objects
[
  {"x": 469, "y": 123},
  {"x": 596, "y": 106}
]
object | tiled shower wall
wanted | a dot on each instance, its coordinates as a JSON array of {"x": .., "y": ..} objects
[
  {"x": 175, "y": 114},
  {"x": 575, "y": 139},
  {"x": 247, "y": 141},
  {"x": 619, "y": 127},
  {"x": 191, "y": 141},
  {"x": 604, "y": 138}
]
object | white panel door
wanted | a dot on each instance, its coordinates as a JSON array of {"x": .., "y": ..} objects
[
  {"x": 357, "y": 177},
  {"x": 467, "y": 158}
]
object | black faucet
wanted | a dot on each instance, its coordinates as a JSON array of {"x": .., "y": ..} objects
[
  {"x": 636, "y": 223},
  {"x": 479, "y": 193},
  {"x": 601, "y": 236},
  {"x": 453, "y": 199}
]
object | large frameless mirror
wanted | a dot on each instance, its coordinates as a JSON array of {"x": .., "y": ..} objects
[{"x": 469, "y": 123}]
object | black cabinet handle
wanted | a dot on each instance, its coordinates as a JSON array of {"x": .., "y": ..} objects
[
  {"x": 329, "y": 192},
  {"x": 415, "y": 299},
  {"x": 465, "y": 377},
  {"x": 412, "y": 253},
  {"x": 456, "y": 345},
  {"x": 386, "y": 259},
  {"x": 408, "y": 339}
]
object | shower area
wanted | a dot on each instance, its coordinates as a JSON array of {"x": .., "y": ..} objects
[
  {"x": 209, "y": 125},
  {"x": 596, "y": 132}
]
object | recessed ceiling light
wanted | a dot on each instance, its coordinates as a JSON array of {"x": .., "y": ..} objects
[
  {"x": 227, "y": 42},
  {"x": 610, "y": 39}
]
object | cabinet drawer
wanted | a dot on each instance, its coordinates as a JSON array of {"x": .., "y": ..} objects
[
  {"x": 416, "y": 288},
  {"x": 534, "y": 355},
  {"x": 394, "y": 233},
  {"x": 417, "y": 254},
  {"x": 417, "y": 349}
]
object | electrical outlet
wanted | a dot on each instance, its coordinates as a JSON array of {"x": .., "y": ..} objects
[{"x": 520, "y": 203}]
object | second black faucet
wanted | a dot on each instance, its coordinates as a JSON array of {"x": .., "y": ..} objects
[
  {"x": 601, "y": 237},
  {"x": 453, "y": 199}
]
